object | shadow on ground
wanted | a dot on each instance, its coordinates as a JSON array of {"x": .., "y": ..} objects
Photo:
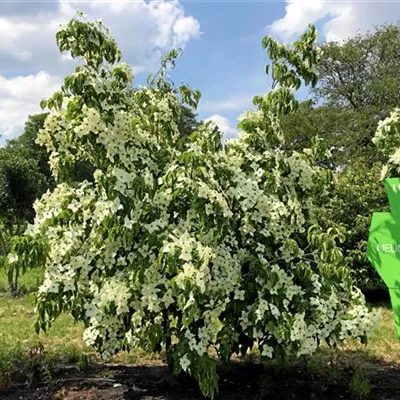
[{"x": 328, "y": 378}]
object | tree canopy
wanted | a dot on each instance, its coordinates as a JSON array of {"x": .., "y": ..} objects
[
  {"x": 358, "y": 86},
  {"x": 26, "y": 145},
  {"x": 21, "y": 183}
]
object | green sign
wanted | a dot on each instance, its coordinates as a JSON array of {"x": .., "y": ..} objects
[{"x": 384, "y": 246}]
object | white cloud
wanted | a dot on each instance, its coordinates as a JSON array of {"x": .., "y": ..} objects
[
  {"x": 223, "y": 125},
  {"x": 144, "y": 30},
  {"x": 340, "y": 20},
  {"x": 28, "y": 41},
  {"x": 186, "y": 28},
  {"x": 20, "y": 96}
]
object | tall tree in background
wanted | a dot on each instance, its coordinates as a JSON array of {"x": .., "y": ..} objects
[
  {"x": 188, "y": 121},
  {"x": 26, "y": 146},
  {"x": 359, "y": 85},
  {"x": 21, "y": 183}
]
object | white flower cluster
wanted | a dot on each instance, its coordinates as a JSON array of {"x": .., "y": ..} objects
[{"x": 387, "y": 139}]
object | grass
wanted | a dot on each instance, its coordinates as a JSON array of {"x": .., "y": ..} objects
[
  {"x": 18, "y": 337},
  {"x": 27, "y": 283}
]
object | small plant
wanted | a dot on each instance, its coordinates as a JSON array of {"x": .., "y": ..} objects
[
  {"x": 84, "y": 361},
  {"x": 319, "y": 366},
  {"x": 315, "y": 365},
  {"x": 360, "y": 385},
  {"x": 6, "y": 370},
  {"x": 37, "y": 367},
  {"x": 335, "y": 372},
  {"x": 72, "y": 354}
]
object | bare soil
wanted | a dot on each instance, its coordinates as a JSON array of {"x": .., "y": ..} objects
[{"x": 238, "y": 382}]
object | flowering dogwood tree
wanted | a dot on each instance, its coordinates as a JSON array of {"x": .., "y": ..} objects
[{"x": 185, "y": 242}]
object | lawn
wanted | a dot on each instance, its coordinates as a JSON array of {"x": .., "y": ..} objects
[
  {"x": 27, "y": 283},
  {"x": 18, "y": 337}
]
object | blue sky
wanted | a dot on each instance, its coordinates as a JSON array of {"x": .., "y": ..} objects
[{"x": 221, "y": 39}]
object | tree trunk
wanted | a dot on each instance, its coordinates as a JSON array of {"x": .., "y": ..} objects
[
  {"x": 167, "y": 334},
  {"x": 10, "y": 273},
  {"x": 10, "y": 277},
  {"x": 4, "y": 249}
]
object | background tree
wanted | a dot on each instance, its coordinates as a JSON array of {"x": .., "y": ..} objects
[
  {"x": 358, "y": 85},
  {"x": 25, "y": 145},
  {"x": 188, "y": 122},
  {"x": 21, "y": 183},
  {"x": 358, "y": 193}
]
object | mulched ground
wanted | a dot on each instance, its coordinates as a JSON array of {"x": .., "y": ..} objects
[{"x": 240, "y": 381}]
